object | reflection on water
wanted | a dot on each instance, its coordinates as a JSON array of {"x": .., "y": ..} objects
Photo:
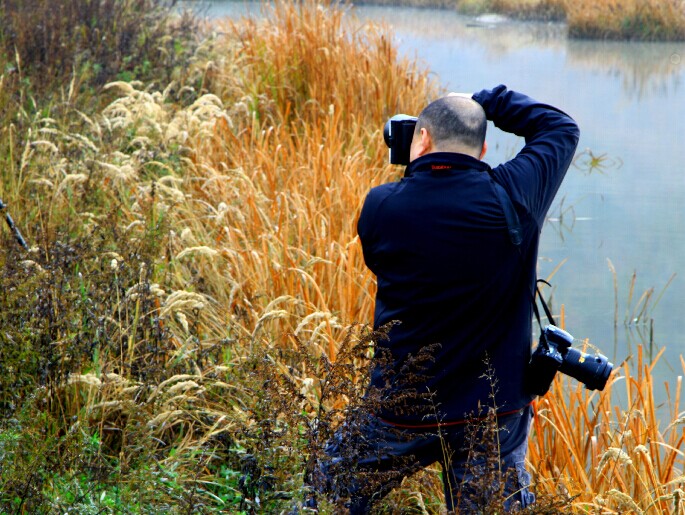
[
  {"x": 498, "y": 34},
  {"x": 589, "y": 162},
  {"x": 620, "y": 210},
  {"x": 644, "y": 68}
]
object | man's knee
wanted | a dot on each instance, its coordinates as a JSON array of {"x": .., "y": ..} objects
[{"x": 518, "y": 494}]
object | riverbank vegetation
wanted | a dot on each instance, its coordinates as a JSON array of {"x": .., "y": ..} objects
[
  {"x": 642, "y": 20},
  {"x": 186, "y": 328}
]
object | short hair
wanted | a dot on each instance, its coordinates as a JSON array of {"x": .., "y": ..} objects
[{"x": 454, "y": 118}]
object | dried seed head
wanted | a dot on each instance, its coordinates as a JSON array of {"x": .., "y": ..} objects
[
  {"x": 613, "y": 454},
  {"x": 201, "y": 250},
  {"x": 624, "y": 501},
  {"x": 89, "y": 379}
]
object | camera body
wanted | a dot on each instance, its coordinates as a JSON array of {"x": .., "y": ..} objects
[
  {"x": 398, "y": 133},
  {"x": 554, "y": 353}
]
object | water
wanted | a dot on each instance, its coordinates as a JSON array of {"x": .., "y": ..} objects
[{"x": 629, "y": 101}]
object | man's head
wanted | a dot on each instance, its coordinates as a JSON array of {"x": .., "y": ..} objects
[{"x": 450, "y": 124}]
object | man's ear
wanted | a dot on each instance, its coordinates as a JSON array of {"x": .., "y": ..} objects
[
  {"x": 485, "y": 149},
  {"x": 425, "y": 143}
]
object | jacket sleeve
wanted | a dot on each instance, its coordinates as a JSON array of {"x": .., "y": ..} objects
[
  {"x": 365, "y": 231},
  {"x": 533, "y": 177},
  {"x": 368, "y": 224}
]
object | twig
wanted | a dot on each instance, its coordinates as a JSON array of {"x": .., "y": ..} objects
[{"x": 13, "y": 227}]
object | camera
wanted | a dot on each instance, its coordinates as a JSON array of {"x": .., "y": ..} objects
[
  {"x": 398, "y": 133},
  {"x": 554, "y": 353}
]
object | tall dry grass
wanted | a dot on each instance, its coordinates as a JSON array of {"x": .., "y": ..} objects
[
  {"x": 196, "y": 272},
  {"x": 543, "y": 9},
  {"x": 614, "y": 451},
  {"x": 643, "y": 20},
  {"x": 188, "y": 236},
  {"x": 650, "y": 20},
  {"x": 285, "y": 171},
  {"x": 91, "y": 41},
  {"x": 279, "y": 174}
]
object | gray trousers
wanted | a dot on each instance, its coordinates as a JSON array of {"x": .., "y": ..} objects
[{"x": 369, "y": 457}]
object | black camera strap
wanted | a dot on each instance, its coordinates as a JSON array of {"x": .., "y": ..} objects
[
  {"x": 548, "y": 313},
  {"x": 516, "y": 237},
  {"x": 510, "y": 215}
]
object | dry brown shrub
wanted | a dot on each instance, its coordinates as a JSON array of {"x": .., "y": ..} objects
[{"x": 650, "y": 20}]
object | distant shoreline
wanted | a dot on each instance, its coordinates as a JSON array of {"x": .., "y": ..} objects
[{"x": 635, "y": 20}]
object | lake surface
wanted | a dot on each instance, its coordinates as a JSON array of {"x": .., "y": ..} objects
[{"x": 629, "y": 100}]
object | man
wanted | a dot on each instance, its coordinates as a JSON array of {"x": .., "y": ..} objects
[{"x": 448, "y": 272}]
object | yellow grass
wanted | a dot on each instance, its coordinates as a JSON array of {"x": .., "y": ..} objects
[
  {"x": 276, "y": 157},
  {"x": 627, "y": 19},
  {"x": 645, "y": 20},
  {"x": 279, "y": 181},
  {"x": 545, "y": 9},
  {"x": 610, "y": 457}
]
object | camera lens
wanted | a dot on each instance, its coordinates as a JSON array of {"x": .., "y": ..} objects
[{"x": 591, "y": 370}]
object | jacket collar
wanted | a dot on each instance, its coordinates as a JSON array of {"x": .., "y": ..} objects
[{"x": 445, "y": 161}]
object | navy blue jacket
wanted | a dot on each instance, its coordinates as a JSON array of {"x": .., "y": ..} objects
[{"x": 446, "y": 269}]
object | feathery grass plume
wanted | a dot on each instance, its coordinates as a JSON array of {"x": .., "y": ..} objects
[
  {"x": 139, "y": 109},
  {"x": 288, "y": 424},
  {"x": 420, "y": 493}
]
